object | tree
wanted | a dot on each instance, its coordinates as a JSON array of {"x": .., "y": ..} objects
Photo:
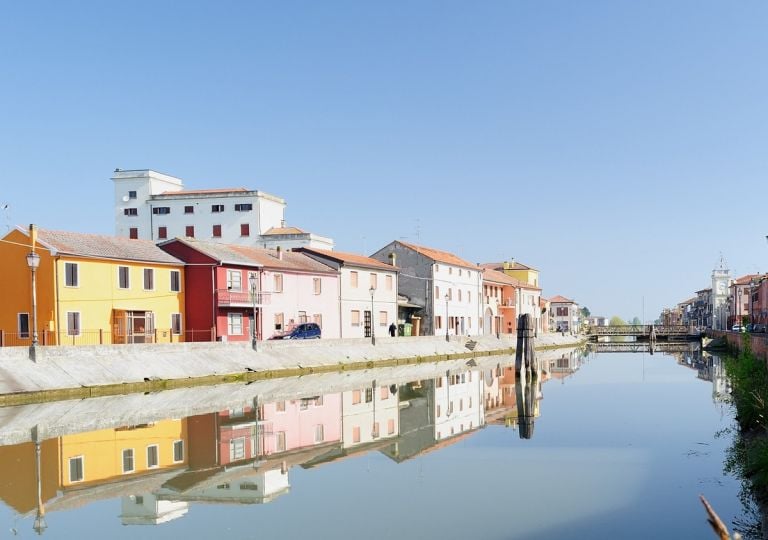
[
  {"x": 585, "y": 313},
  {"x": 616, "y": 321},
  {"x": 636, "y": 320}
]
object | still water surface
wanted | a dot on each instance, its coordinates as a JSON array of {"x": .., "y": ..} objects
[{"x": 615, "y": 445}]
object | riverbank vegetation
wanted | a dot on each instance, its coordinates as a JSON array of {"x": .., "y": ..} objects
[{"x": 748, "y": 456}]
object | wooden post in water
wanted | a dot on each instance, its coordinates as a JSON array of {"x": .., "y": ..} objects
[{"x": 525, "y": 353}]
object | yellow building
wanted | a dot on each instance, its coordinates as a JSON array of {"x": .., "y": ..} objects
[
  {"x": 91, "y": 289},
  {"x": 512, "y": 268},
  {"x": 84, "y": 460}
]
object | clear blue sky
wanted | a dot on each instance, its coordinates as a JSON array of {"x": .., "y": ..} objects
[{"x": 618, "y": 146}]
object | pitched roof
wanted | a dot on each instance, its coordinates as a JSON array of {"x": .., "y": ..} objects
[
  {"x": 439, "y": 256},
  {"x": 104, "y": 247},
  {"x": 745, "y": 280},
  {"x": 514, "y": 265},
  {"x": 500, "y": 277},
  {"x": 351, "y": 259},
  {"x": 258, "y": 257},
  {"x": 283, "y": 230},
  {"x": 560, "y": 300}
]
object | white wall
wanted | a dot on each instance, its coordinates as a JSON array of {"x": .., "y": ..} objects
[
  {"x": 468, "y": 404},
  {"x": 364, "y": 414},
  {"x": 298, "y": 295},
  {"x": 457, "y": 279},
  {"x": 359, "y": 298}
]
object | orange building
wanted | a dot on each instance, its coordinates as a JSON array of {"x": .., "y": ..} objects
[{"x": 91, "y": 289}]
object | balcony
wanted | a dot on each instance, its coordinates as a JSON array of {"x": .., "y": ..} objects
[{"x": 227, "y": 298}]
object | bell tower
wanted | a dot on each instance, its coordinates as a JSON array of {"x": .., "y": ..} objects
[{"x": 721, "y": 280}]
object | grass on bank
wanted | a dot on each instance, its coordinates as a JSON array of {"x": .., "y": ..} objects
[{"x": 749, "y": 382}]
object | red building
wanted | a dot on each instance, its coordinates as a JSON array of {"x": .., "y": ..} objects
[{"x": 229, "y": 286}]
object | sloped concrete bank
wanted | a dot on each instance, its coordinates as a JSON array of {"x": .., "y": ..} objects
[
  {"x": 18, "y": 423},
  {"x": 78, "y": 372}
]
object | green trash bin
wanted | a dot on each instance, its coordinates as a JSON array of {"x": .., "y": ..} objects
[{"x": 407, "y": 329}]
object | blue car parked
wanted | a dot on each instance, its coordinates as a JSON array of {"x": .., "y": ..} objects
[{"x": 301, "y": 331}]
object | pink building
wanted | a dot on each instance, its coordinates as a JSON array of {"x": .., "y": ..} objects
[
  {"x": 300, "y": 423},
  {"x": 291, "y": 288}
]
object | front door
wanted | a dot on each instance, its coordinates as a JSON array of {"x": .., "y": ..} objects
[{"x": 134, "y": 327}]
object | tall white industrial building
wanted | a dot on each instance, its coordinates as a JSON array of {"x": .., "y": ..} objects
[{"x": 155, "y": 206}]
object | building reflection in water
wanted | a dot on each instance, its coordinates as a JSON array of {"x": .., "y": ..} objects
[{"x": 244, "y": 454}]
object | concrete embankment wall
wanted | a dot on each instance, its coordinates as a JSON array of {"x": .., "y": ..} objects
[
  {"x": 69, "y": 372},
  {"x": 758, "y": 343},
  {"x": 67, "y": 417}
]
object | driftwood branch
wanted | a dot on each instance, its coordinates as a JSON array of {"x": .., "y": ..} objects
[{"x": 714, "y": 520}]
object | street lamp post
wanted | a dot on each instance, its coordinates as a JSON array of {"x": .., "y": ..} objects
[
  {"x": 447, "y": 338},
  {"x": 372, "y": 290},
  {"x": 33, "y": 261},
  {"x": 39, "y": 525},
  {"x": 253, "y": 281}
]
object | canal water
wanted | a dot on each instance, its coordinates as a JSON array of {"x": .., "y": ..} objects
[{"x": 605, "y": 445}]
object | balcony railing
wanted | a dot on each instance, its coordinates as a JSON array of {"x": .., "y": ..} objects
[{"x": 228, "y": 298}]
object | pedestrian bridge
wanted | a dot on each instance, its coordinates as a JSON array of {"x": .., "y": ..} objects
[
  {"x": 643, "y": 332},
  {"x": 642, "y": 346}
]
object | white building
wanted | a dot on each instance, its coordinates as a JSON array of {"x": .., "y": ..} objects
[
  {"x": 155, "y": 206},
  {"x": 369, "y": 414},
  {"x": 147, "y": 509},
  {"x": 459, "y": 404},
  {"x": 721, "y": 281},
  {"x": 359, "y": 276},
  {"x": 564, "y": 315},
  {"x": 446, "y": 288}
]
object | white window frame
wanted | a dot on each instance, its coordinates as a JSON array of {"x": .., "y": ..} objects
[
  {"x": 174, "y": 330},
  {"x": 177, "y": 272},
  {"x": 278, "y": 282},
  {"x": 133, "y": 460},
  {"x": 233, "y": 444},
  {"x": 180, "y": 444},
  {"x": 82, "y": 469},
  {"x": 148, "y": 272},
  {"x": 231, "y": 281},
  {"x": 231, "y": 317},
  {"x": 157, "y": 456},
  {"x": 79, "y": 328},
  {"x": 127, "y": 278}
]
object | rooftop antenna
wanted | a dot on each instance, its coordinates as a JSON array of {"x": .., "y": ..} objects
[{"x": 6, "y": 208}]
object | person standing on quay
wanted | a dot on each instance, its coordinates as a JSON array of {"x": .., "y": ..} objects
[{"x": 392, "y": 330}]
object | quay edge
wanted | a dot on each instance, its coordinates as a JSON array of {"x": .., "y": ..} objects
[{"x": 81, "y": 372}]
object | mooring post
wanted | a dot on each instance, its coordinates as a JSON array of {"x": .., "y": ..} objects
[
  {"x": 525, "y": 394},
  {"x": 525, "y": 354}
]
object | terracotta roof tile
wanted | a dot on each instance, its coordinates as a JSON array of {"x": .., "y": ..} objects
[
  {"x": 283, "y": 230},
  {"x": 496, "y": 276},
  {"x": 105, "y": 247},
  {"x": 560, "y": 300},
  {"x": 745, "y": 280},
  {"x": 512, "y": 266},
  {"x": 440, "y": 256},
  {"x": 349, "y": 258},
  {"x": 258, "y": 257}
]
